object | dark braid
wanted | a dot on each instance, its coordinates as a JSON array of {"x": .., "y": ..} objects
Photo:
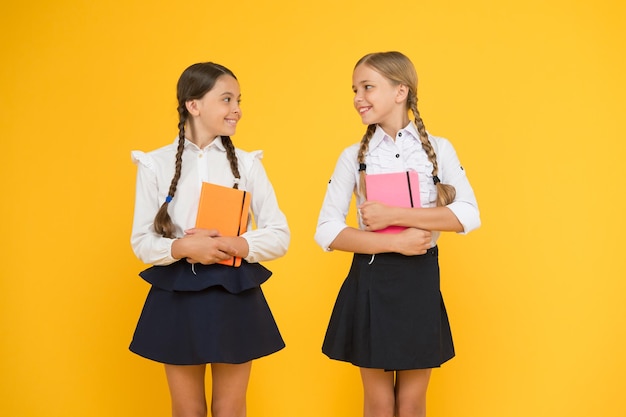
[
  {"x": 445, "y": 192},
  {"x": 193, "y": 84},
  {"x": 162, "y": 221},
  {"x": 232, "y": 158},
  {"x": 361, "y": 158}
]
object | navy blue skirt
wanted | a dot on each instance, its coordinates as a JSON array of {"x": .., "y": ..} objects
[
  {"x": 208, "y": 314},
  {"x": 390, "y": 314}
]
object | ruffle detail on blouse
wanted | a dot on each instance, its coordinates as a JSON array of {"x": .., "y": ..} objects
[
  {"x": 142, "y": 158},
  {"x": 246, "y": 159},
  {"x": 383, "y": 161},
  {"x": 180, "y": 276},
  {"x": 256, "y": 154}
]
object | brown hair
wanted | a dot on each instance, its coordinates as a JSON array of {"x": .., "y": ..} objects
[
  {"x": 193, "y": 84},
  {"x": 399, "y": 69}
]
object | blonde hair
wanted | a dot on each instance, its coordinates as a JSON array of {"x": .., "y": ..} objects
[{"x": 399, "y": 69}]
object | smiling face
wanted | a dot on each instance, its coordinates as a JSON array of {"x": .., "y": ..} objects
[
  {"x": 216, "y": 113},
  {"x": 378, "y": 100}
]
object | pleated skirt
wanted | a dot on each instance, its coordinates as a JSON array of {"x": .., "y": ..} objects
[
  {"x": 208, "y": 314},
  {"x": 389, "y": 314}
]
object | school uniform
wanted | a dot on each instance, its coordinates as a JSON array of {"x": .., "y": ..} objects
[
  {"x": 204, "y": 313},
  {"x": 389, "y": 313}
]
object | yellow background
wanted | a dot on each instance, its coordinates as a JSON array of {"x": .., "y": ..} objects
[{"x": 530, "y": 93}]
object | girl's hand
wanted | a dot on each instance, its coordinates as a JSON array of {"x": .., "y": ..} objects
[
  {"x": 203, "y": 246},
  {"x": 413, "y": 241},
  {"x": 375, "y": 215}
]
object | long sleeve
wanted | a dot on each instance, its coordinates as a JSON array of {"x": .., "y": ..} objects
[
  {"x": 464, "y": 206},
  {"x": 271, "y": 238},
  {"x": 332, "y": 217},
  {"x": 148, "y": 246}
]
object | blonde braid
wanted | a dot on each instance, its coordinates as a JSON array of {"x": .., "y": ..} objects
[
  {"x": 445, "y": 192},
  {"x": 361, "y": 159},
  {"x": 232, "y": 158}
]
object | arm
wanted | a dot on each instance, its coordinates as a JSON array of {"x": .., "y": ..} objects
[
  {"x": 464, "y": 207},
  {"x": 377, "y": 216},
  {"x": 408, "y": 242},
  {"x": 149, "y": 247},
  {"x": 271, "y": 238}
]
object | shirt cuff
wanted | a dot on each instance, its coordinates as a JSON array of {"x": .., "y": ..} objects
[
  {"x": 467, "y": 214},
  {"x": 163, "y": 253},
  {"x": 327, "y": 233}
]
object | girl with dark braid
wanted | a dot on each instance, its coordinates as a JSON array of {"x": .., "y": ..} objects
[
  {"x": 198, "y": 311},
  {"x": 389, "y": 318}
]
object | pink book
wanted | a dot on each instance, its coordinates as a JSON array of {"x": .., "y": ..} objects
[{"x": 398, "y": 189}]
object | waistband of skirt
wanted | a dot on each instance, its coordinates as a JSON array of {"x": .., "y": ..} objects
[
  {"x": 434, "y": 251},
  {"x": 183, "y": 276}
]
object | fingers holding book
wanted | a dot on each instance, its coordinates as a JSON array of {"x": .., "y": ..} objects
[{"x": 204, "y": 246}]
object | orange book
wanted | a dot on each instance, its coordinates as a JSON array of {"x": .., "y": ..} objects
[{"x": 224, "y": 209}]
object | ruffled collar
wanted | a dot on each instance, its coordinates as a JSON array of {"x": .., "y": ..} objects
[
  {"x": 380, "y": 135},
  {"x": 217, "y": 143}
]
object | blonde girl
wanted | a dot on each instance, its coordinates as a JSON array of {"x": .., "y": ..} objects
[
  {"x": 199, "y": 312},
  {"x": 389, "y": 318}
]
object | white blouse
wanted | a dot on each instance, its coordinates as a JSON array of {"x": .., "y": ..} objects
[
  {"x": 386, "y": 155},
  {"x": 155, "y": 170}
]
